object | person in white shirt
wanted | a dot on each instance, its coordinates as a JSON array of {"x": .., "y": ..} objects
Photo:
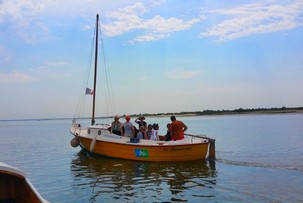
[{"x": 154, "y": 135}]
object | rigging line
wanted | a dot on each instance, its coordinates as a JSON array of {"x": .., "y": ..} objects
[
  {"x": 76, "y": 114},
  {"x": 91, "y": 58},
  {"x": 108, "y": 87},
  {"x": 90, "y": 67},
  {"x": 85, "y": 85},
  {"x": 82, "y": 98}
]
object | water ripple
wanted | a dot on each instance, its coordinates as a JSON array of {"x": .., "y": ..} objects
[
  {"x": 126, "y": 180},
  {"x": 261, "y": 165}
]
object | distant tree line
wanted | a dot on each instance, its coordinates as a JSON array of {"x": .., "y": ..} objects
[{"x": 224, "y": 112}]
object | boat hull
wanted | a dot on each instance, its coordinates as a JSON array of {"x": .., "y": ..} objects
[
  {"x": 115, "y": 146},
  {"x": 16, "y": 187}
]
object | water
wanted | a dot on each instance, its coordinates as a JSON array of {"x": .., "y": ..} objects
[{"x": 259, "y": 159}]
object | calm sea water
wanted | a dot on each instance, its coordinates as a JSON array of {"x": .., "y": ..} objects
[{"x": 259, "y": 159}]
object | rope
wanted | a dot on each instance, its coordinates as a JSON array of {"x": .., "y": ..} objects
[
  {"x": 107, "y": 88},
  {"x": 82, "y": 97}
]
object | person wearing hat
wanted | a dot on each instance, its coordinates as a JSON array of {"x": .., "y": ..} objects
[
  {"x": 140, "y": 121},
  {"x": 115, "y": 126},
  {"x": 127, "y": 129}
]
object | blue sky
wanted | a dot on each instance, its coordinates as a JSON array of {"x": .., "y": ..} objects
[{"x": 162, "y": 56}]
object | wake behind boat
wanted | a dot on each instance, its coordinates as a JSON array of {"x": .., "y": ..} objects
[
  {"x": 99, "y": 140},
  {"x": 16, "y": 187}
]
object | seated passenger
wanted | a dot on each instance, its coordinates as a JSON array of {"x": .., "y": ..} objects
[
  {"x": 154, "y": 135},
  {"x": 149, "y": 131},
  {"x": 115, "y": 126},
  {"x": 142, "y": 133},
  {"x": 167, "y": 136}
]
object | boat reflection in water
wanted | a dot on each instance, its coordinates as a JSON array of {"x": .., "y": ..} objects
[{"x": 100, "y": 178}]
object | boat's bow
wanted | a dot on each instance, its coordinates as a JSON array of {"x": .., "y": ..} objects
[{"x": 16, "y": 187}]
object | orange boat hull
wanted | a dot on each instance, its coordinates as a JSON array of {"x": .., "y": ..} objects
[{"x": 160, "y": 153}]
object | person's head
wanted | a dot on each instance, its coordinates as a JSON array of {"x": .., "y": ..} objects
[
  {"x": 149, "y": 127},
  {"x": 141, "y": 118},
  {"x": 117, "y": 117},
  {"x": 168, "y": 125},
  {"x": 127, "y": 118},
  {"x": 155, "y": 126},
  {"x": 173, "y": 118}
]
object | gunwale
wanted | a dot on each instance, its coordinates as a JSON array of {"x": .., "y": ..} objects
[{"x": 111, "y": 145}]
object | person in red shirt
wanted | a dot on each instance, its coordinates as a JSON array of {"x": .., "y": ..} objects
[{"x": 177, "y": 129}]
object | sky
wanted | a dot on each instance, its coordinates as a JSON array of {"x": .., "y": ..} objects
[{"x": 161, "y": 56}]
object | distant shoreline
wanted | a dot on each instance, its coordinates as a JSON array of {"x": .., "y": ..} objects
[{"x": 240, "y": 111}]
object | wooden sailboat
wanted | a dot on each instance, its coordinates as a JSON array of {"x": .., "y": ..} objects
[
  {"x": 16, "y": 187},
  {"x": 98, "y": 139}
]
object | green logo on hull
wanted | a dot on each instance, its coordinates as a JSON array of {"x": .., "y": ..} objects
[{"x": 142, "y": 153}]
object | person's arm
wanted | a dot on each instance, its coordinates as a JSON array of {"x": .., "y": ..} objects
[
  {"x": 171, "y": 132},
  {"x": 184, "y": 127},
  {"x": 145, "y": 135},
  {"x": 121, "y": 130},
  {"x": 133, "y": 130},
  {"x": 158, "y": 138}
]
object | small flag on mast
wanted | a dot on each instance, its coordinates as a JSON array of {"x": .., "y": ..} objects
[{"x": 89, "y": 91}]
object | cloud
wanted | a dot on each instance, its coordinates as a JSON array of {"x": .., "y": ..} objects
[
  {"x": 34, "y": 21},
  {"x": 4, "y": 54},
  {"x": 149, "y": 37},
  {"x": 157, "y": 2},
  {"x": 126, "y": 19},
  {"x": 256, "y": 18},
  {"x": 143, "y": 78},
  {"x": 55, "y": 63},
  {"x": 52, "y": 69},
  {"x": 131, "y": 18},
  {"x": 179, "y": 74},
  {"x": 16, "y": 77},
  {"x": 23, "y": 19}
]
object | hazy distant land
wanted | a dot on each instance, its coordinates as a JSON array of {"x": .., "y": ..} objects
[
  {"x": 229, "y": 112},
  {"x": 192, "y": 113}
]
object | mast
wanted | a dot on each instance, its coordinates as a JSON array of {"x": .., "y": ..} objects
[{"x": 95, "y": 72}]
